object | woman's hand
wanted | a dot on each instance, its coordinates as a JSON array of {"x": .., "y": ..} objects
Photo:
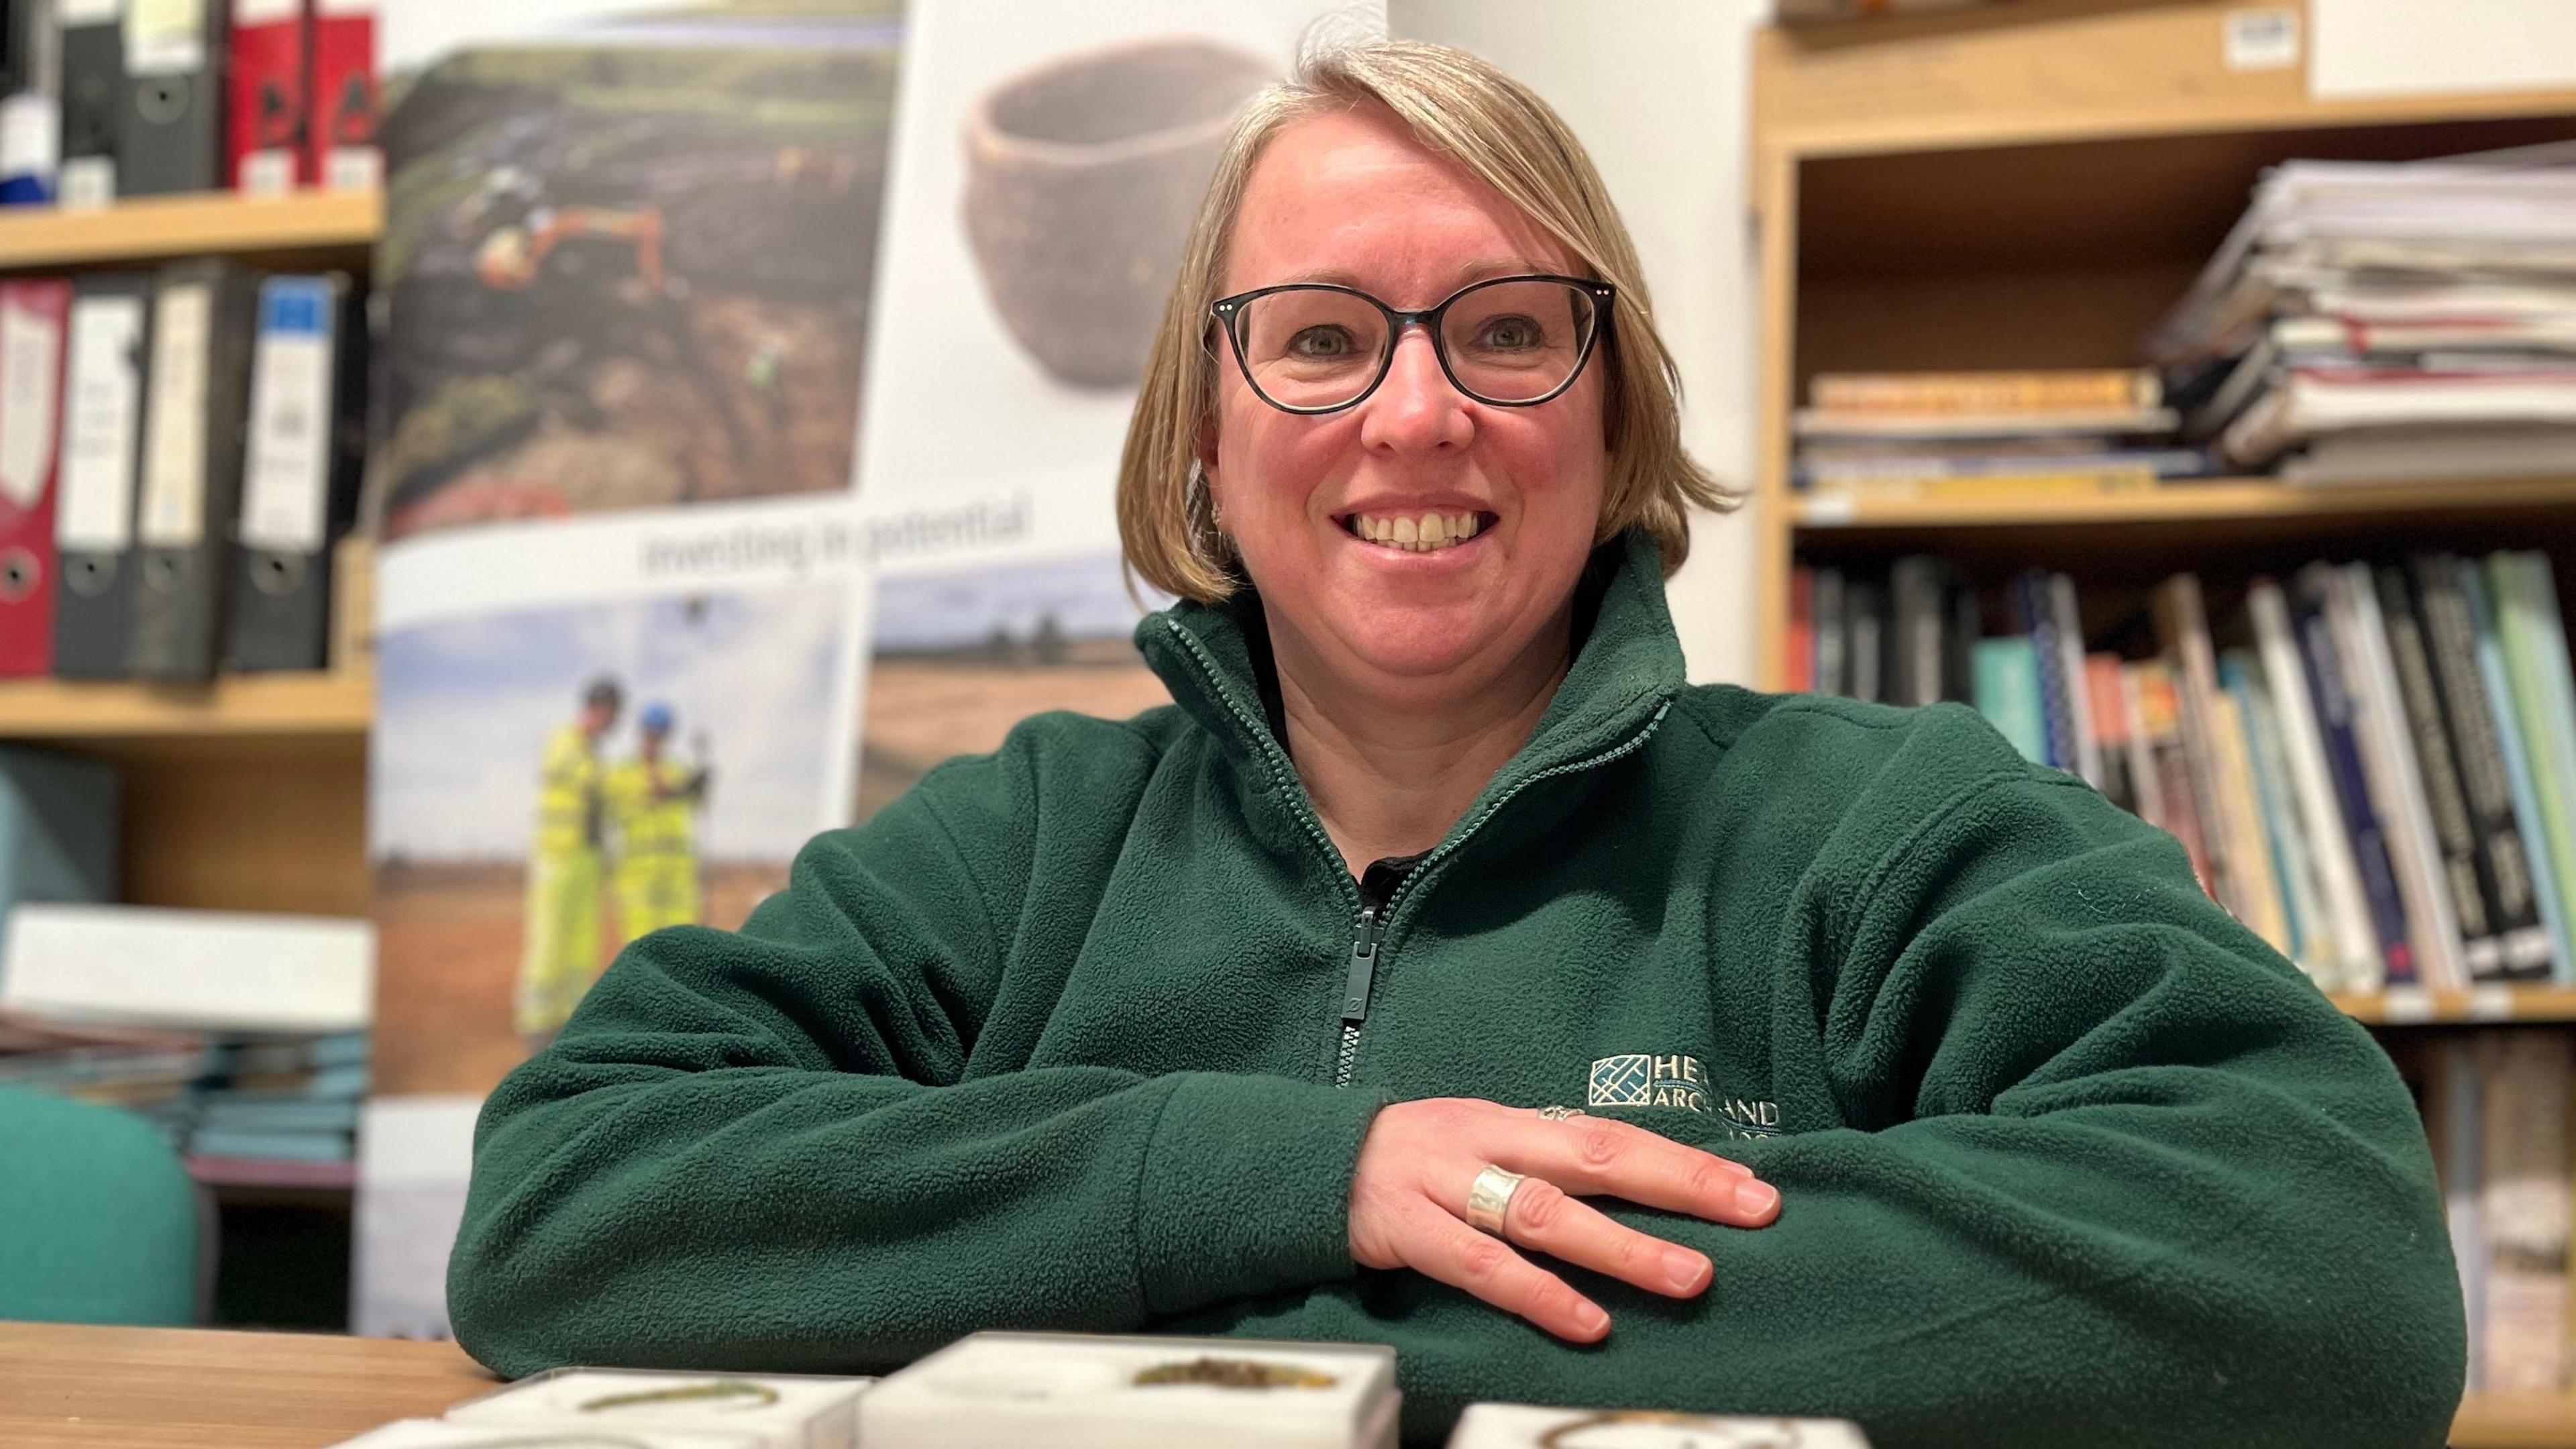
[{"x": 1409, "y": 1200}]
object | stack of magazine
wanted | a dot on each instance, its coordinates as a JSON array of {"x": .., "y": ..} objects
[
  {"x": 2387, "y": 322},
  {"x": 1959, "y": 435}
]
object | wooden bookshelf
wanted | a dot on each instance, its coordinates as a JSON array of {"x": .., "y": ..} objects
[
  {"x": 249, "y": 793},
  {"x": 2214, "y": 500},
  {"x": 157, "y": 228},
  {"x": 325, "y": 703},
  {"x": 2031, "y": 186},
  {"x": 2487, "y": 1005}
]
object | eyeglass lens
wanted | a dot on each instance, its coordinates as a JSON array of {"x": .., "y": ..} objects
[{"x": 1512, "y": 341}]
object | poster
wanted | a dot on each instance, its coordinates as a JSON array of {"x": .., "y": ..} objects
[
  {"x": 734, "y": 378},
  {"x": 629, "y": 269}
]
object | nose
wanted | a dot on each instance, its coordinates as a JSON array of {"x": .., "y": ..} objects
[{"x": 1416, "y": 409}]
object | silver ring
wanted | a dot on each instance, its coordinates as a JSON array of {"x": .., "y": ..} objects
[
  {"x": 1559, "y": 1114},
  {"x": 1489, "y": 1197}
]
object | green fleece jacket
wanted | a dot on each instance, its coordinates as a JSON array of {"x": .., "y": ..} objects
[{"x": 1058, "y": 1039}]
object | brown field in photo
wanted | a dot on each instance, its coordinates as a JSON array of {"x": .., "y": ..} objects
[
  {"x": 923, "y": 709},
  {"x": 447, "y": 963}
]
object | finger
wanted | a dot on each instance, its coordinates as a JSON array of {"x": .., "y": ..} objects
[
  {"x": 1599, "y": 1157},
  {"x": 1542, "y": 1217},
  {"x": 1441, "y": 1246}
]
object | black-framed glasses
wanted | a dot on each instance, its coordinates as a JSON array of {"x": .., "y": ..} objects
[{"x": 1317, "y": 347}]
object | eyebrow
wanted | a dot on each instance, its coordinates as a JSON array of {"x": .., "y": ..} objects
[{"x": 1466, "y": 275}]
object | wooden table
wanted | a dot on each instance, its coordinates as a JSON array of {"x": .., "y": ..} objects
[{"x": 168, "y": 1388}]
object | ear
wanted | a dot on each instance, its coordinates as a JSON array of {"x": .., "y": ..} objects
[{"x": 1203, "y": 448}]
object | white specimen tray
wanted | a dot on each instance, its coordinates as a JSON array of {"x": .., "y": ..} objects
[
  {"x": 775, "y": 1411},
  {"x": 447, "y": 1434},
  {"x": 1520, "y": 1426},
  {"x": 1076, "y": 1391}
]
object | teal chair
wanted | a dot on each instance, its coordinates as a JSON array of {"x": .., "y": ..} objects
[{"x": 99, "y": 1222}]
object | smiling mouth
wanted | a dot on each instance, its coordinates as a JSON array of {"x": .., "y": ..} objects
[{"x": 1426, "y": 532}]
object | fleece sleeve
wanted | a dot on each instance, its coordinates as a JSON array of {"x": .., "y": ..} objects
[
  {"x": 2107, "y": 1172},
  {"x": 771, "y": 1149}
]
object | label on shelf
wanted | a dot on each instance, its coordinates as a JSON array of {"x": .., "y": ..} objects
[
  {"x": 2491, "y": 1003},
  {"x": 1829, "y": 509},
  {"x": 268, "y": 173},
  {"x": 86, "y": 182},
  {"x": 2265, "y": 39},
  {"x": 2406, "y": 1005}
]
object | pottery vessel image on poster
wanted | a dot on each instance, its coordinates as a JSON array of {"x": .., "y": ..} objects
[{"x": 1083, "y": 175}]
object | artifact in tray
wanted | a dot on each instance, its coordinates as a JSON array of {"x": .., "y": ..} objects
[
  {"x": 448, "y": 1434},
  {"x": 770, "y": 1411},
  {"x": 1521, "y": 1426},
  {"x": 1071, "y": 1391}
]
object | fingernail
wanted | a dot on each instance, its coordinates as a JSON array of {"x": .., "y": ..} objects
[
  {"x": 1753, "y": 1199},
  {"x": 1591, "y": 1319},
  {"x": 1683, "y": 1268}
]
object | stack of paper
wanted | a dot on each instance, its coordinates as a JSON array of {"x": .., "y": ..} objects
[
  {"x": 2386, "y": 322},
  {"x": 1959, "y": 434}
]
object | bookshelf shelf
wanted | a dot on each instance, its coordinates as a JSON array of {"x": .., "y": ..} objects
[
  {"x": 2516, "y": 1421},
  {"x": 214, "y": 223},
  {"x": 2448, "y": 1008},
  {"x": 2211, "y": 500},
  {"x": 328, "y": 703}
]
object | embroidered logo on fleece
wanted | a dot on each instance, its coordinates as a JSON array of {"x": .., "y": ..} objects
[
  {"x": 1640, "y": 1079},
  {"x": 1647, "y": 1079}
]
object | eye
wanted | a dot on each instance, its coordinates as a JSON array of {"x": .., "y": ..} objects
[
  {"x": 1322, "y": 342},
  {"x": 1510, "y": 333}
]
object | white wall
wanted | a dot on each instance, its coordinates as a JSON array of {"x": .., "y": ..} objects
[{"x": 1661, "y": 93}]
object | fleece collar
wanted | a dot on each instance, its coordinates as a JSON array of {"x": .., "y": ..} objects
[{"x": 1627, "y": 667}]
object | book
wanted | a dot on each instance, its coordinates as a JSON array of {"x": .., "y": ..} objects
[
  {"x": 2008, "y": 693},
  {"x": 2312, "y": 400},
  {"x": 2167, "y": 784},
  {"x": 1865, "y": 640},
  {"x": 2445, "y": 799},
  {"x": 2523, "y": 601},
  {"x": 2320, "y": 807},
  {"x": 2120, "y": 422},
  {"x": 2106, "y": 704},
  {"x": 2453, "y": 1125},
  {"x": 2496, "y": 675},
  {"x": 2389, "y": 761},
  {"x": 1918, "y": 587},
  {"x": 2069, "y": 620},
  {"x": 2065, "y": 390},
  {"x": 1801, "y": 649},
  {"x": 2220, "y": 777},
  {"x": 2035, "y": 614},
  {"x": 2312, "y": 941},
  {"x": 2523, "y": 1208},
  {"x": 2504, "y": 860},
  {"x": 2330, "y": 691},
  {"x": 1833, "y": 632}
]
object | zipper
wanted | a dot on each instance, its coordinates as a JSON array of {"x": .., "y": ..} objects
[
  {"x": 1355, "y": 993},
  {"x": 1370, "y": 927}
]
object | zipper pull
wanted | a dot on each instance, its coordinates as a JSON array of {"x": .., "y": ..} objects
[{"x": 1355, "y": 991}]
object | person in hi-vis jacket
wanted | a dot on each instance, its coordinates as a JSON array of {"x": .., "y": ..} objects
[
  {"x": 560, "y": 955},
  {"x": 653, "y": 800}
]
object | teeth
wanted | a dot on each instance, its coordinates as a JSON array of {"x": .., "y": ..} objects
[{"x": 1418, "y": 533}]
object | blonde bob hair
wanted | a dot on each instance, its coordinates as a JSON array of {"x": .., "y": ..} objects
[{"x": 1497, "y": 130}]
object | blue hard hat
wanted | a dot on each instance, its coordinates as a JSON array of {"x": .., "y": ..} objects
[{"x": 656, "y": 718}]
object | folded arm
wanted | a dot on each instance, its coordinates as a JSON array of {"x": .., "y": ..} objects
[
  {"x": 765, "y": 1149},
  {"x": 2112, "y": 1173}
]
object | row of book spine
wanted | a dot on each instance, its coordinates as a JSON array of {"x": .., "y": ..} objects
[
  {"x": 2378, "y": 777},
  {"x": 143, "y": 97},
  {"x": 180, "y": 451}
]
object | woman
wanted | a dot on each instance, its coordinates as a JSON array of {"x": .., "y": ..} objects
[{"x": 1907, "y": 1081}]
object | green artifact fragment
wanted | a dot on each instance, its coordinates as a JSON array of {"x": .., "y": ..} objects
[{"x": 1234, "y": 1373}]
